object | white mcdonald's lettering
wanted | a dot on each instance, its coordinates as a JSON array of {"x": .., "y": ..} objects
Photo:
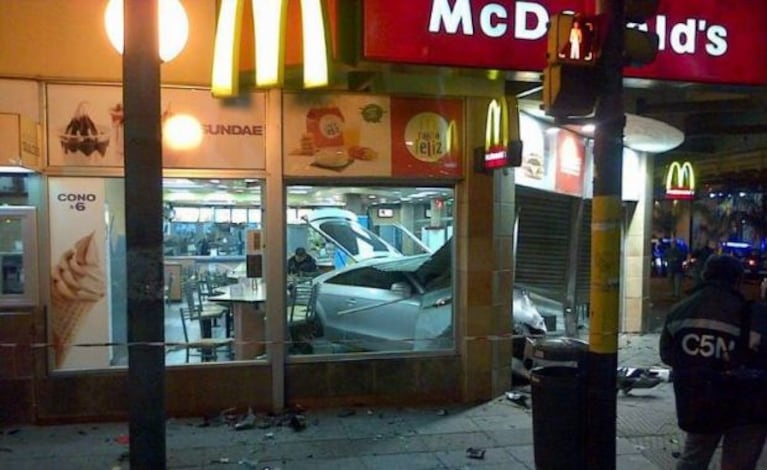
[
  {"x": 680, "y": 180},
  {"x": 269, "y": 18}
]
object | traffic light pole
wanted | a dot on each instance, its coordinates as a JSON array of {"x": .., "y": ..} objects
[{"x": 609, "y": 116}]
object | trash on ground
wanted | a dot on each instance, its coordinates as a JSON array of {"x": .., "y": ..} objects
[
  {"x": 442, "y": 412},
  {"x": 518, "y": 399},
  {"x": 475, "y": 453},
  {"x": 298, "y": 422},
  {"x": 346, "y": 413}
]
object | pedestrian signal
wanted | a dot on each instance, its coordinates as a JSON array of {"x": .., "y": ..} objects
[{"x": 573, "y": 39}]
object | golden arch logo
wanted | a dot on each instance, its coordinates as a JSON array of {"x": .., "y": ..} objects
[
  {"x": 680, "y": 181},
  {"x": 496, "y": 133},
  {"x": 269, "y": 19}
]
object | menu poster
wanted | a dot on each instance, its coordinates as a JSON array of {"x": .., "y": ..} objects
[
  {"x": 570, "y": 153},
  {"x": 336, "y": 135},
  {"x": 79, "y": 310},
  {"x": 426, "y": 137},
  {"x": 537, "y": 169},
  {"x": 86, "y": 128}
]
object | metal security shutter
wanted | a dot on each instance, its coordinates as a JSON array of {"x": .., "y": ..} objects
[{"x": 543, "y": 241}]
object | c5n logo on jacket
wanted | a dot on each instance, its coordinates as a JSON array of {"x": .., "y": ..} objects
[{"x": 680, "y": 181}]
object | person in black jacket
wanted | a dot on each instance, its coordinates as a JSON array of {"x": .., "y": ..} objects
[
  {"x": 704, "y": 340},
  {"x": 302, "y": 263}
]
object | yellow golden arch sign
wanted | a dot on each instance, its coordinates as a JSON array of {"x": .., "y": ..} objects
[
  {"x": 269, "y": 18},
  {"x": 680, "y": 181}
]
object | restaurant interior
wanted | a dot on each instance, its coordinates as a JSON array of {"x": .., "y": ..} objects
[{"x": 212, "y": 248}]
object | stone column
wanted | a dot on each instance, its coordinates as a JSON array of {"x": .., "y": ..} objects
[{"x": 485, "y": 211}]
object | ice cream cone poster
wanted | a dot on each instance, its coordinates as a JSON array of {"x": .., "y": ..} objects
[
  {"x": 336, "y": 135},
  {"x": 78, "y": 312},
  {"x": 427, "y": 137}
]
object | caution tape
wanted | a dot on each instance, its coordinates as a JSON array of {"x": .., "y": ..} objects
[{"x": 177, "y": 344}]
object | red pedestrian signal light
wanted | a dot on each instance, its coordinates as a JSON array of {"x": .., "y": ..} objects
[{"x": 573, "y": 39}]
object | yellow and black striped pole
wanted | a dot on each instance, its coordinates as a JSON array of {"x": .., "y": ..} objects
[{"x": 606, "y": 219}]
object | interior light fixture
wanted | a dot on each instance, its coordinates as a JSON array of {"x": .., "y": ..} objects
[{"x": 173, "y": 27}]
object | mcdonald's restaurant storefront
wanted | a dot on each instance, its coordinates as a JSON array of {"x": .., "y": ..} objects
[{"x": 405, "y": 294}]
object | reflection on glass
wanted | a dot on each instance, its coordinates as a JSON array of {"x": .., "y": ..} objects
[{"x": 11, "y": 259}]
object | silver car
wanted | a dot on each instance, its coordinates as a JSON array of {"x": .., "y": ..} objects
[{"x": 384, "y": 301}]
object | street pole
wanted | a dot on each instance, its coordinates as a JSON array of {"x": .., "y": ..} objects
[
  {"x": 143, "y": 213},
  {"x": 609, "y": 116}
]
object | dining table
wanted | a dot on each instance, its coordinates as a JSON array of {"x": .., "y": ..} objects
[{"x": 247, "y": 300}]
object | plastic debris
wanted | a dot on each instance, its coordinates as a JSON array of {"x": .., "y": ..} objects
[
  {"x": 518, "y": 399},
  {"x": 442, "y": 412},
  {"x": 221, "y": 460},
  {"x": 475, "y": 453}
]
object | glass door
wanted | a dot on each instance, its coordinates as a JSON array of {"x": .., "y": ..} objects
[{"x": 18, "y": 260}]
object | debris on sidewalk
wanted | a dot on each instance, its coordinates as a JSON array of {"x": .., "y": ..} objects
[
  {"x": 442, "y": 412},
  {"x": 518, "y": 399},
  {"x": 246, "y": 422},
  {"x": 475, "y": 453}
]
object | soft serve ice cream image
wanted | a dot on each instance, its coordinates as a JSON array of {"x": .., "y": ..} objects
[{"x": 77, "y": 284}]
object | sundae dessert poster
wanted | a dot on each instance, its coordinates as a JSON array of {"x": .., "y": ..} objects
[
  {"x": 81, "y": 131},
  {"x": 336, "y": 135},
  {"x": 227, "y": 134},
  {"x": 86, "y": 128},
  {"x": 427, "y": 137},
  {"x": 78, "y": 311}
]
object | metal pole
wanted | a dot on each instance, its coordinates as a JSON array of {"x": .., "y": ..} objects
[
  {"x": 143, "y": 213},
  {"x": 601, "y": 403}
]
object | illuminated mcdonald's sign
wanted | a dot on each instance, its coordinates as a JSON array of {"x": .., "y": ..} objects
[
  {"x": 269, "y": 24},
  {"x": 680, "y": 181},
  {"x": 496, "y": 134}
]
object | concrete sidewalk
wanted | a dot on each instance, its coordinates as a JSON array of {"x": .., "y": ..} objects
[{"x": 364, "y": 438}]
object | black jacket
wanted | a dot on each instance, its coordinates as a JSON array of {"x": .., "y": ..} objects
[{"x": 703, "y": 343}]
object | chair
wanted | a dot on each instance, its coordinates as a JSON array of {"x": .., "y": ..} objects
[
  {"x": 204, "y": 313},
  {"x": 207, "y": 347},
  {"x": 301, "y": 296}
]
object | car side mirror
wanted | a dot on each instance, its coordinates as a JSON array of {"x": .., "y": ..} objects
[{"x": 401, "y": 288}]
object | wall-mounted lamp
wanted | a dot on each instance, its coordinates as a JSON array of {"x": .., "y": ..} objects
[{"x": 174, "y": 27}]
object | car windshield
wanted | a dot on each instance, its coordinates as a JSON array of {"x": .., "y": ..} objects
[{"x": 356, "y": 241}]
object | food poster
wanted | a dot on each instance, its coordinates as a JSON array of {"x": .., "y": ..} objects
[
  {"x": 338, "y": 135},
  {"x": 570, "y": 160},
  {"x": 79, "y": 311},
  {"x": 427, "y": 137},
  {"x": 86, "y": 128},
  {"x": 537, "y": 169}
]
